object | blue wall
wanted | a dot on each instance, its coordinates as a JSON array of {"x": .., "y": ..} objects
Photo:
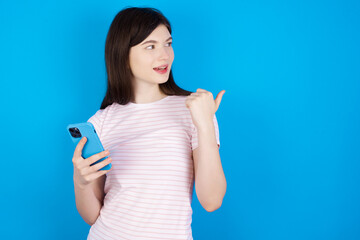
[{"x": 289, "y": 120}]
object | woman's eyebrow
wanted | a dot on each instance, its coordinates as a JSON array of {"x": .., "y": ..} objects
[{"x": 153, "y": 41}]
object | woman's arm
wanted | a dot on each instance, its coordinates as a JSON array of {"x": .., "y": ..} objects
[
  {"x": 89, "y": 199},
  {"x": 210, "y": 182},
  {"x": 89, "y": 182}
]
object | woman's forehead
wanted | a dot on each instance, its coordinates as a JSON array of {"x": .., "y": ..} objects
[{"x": 160, "y": 33}]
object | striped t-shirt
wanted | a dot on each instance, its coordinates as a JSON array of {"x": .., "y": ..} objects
[{"x": 148, "y": 192}]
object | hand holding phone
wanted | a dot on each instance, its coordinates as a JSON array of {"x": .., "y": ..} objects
[
  {"x": 84, "y": 172},
  {"x": 90, "y": 160}
]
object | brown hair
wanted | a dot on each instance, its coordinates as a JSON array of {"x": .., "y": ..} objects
[{"x": 129, "y": 28}]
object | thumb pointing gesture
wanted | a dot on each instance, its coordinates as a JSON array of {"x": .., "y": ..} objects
[{"x": 218, "y": 99}]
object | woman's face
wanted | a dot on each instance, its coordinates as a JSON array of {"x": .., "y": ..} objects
[{"x": 153, "y": 52}]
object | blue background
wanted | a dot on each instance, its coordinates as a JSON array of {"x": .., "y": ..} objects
[{"x": 289, "y": 120}]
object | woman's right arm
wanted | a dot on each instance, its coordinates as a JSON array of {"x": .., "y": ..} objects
[{"x": 89, "y": 183}]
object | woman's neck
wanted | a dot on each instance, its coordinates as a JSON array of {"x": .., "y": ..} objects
[{"x": 140, "y": 99}]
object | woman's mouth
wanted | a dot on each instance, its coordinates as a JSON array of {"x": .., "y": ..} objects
[{"x": 161, "y": 69}]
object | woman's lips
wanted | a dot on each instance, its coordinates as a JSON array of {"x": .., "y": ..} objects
[{"x": 161, "y": 71}]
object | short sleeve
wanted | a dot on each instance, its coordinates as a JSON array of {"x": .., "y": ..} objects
[
  {"x": 97, "y": 120},
  {"x": 194, "y": 136}
]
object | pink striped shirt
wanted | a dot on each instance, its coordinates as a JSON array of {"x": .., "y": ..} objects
[{"x": 149, "y": 189}]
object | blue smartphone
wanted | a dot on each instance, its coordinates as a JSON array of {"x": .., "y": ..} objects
[{"x": 93, "y": 144}]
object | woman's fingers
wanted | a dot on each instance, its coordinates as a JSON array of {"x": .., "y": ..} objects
[
  {"x": 88, "y": 172},
  {"x": 84, "y": 173},
  {"x": 95, "y": 175},
  {"x": 96, "y": 157},
  {"x": 95, "y": 167},
  {"x": 100, "y": 165},
  {"x": 78, "y": 150}
]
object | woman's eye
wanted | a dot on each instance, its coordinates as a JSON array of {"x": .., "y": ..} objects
[{"x": 152, "y": 46}]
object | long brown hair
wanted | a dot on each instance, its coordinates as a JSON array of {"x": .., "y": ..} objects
[{"x": 129, "y": 28}]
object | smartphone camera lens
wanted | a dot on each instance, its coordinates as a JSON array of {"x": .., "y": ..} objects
[{"x": 75, "y": 132}]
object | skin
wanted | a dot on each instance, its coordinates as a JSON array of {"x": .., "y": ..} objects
[
  {"x": 210, "y": 182},
  {"x": 143, "y": 58}
]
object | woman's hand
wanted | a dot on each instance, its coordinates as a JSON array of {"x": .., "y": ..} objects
[
  {"x": 203, "y": 106},
  {"x": 83, "y": 172}
]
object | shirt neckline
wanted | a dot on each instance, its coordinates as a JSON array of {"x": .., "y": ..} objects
[{"x": 150, "y": 103}]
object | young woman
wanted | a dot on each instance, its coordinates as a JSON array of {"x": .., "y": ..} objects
[{"x": 160, "y": 138}]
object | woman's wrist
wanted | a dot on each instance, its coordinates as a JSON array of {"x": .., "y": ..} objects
[{"x": 79, "y": 185}]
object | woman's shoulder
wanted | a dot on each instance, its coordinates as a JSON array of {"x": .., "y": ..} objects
[
  {"x": 176, "y": 101},
  {"x": 178, "y": 98},
  {"x": 102, "y": 113}
]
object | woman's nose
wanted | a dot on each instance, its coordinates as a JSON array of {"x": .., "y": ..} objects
[{"x": 164, "y": 53}]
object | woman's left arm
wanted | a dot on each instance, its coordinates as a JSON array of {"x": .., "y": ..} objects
[{"x": 210, "y": 182}]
